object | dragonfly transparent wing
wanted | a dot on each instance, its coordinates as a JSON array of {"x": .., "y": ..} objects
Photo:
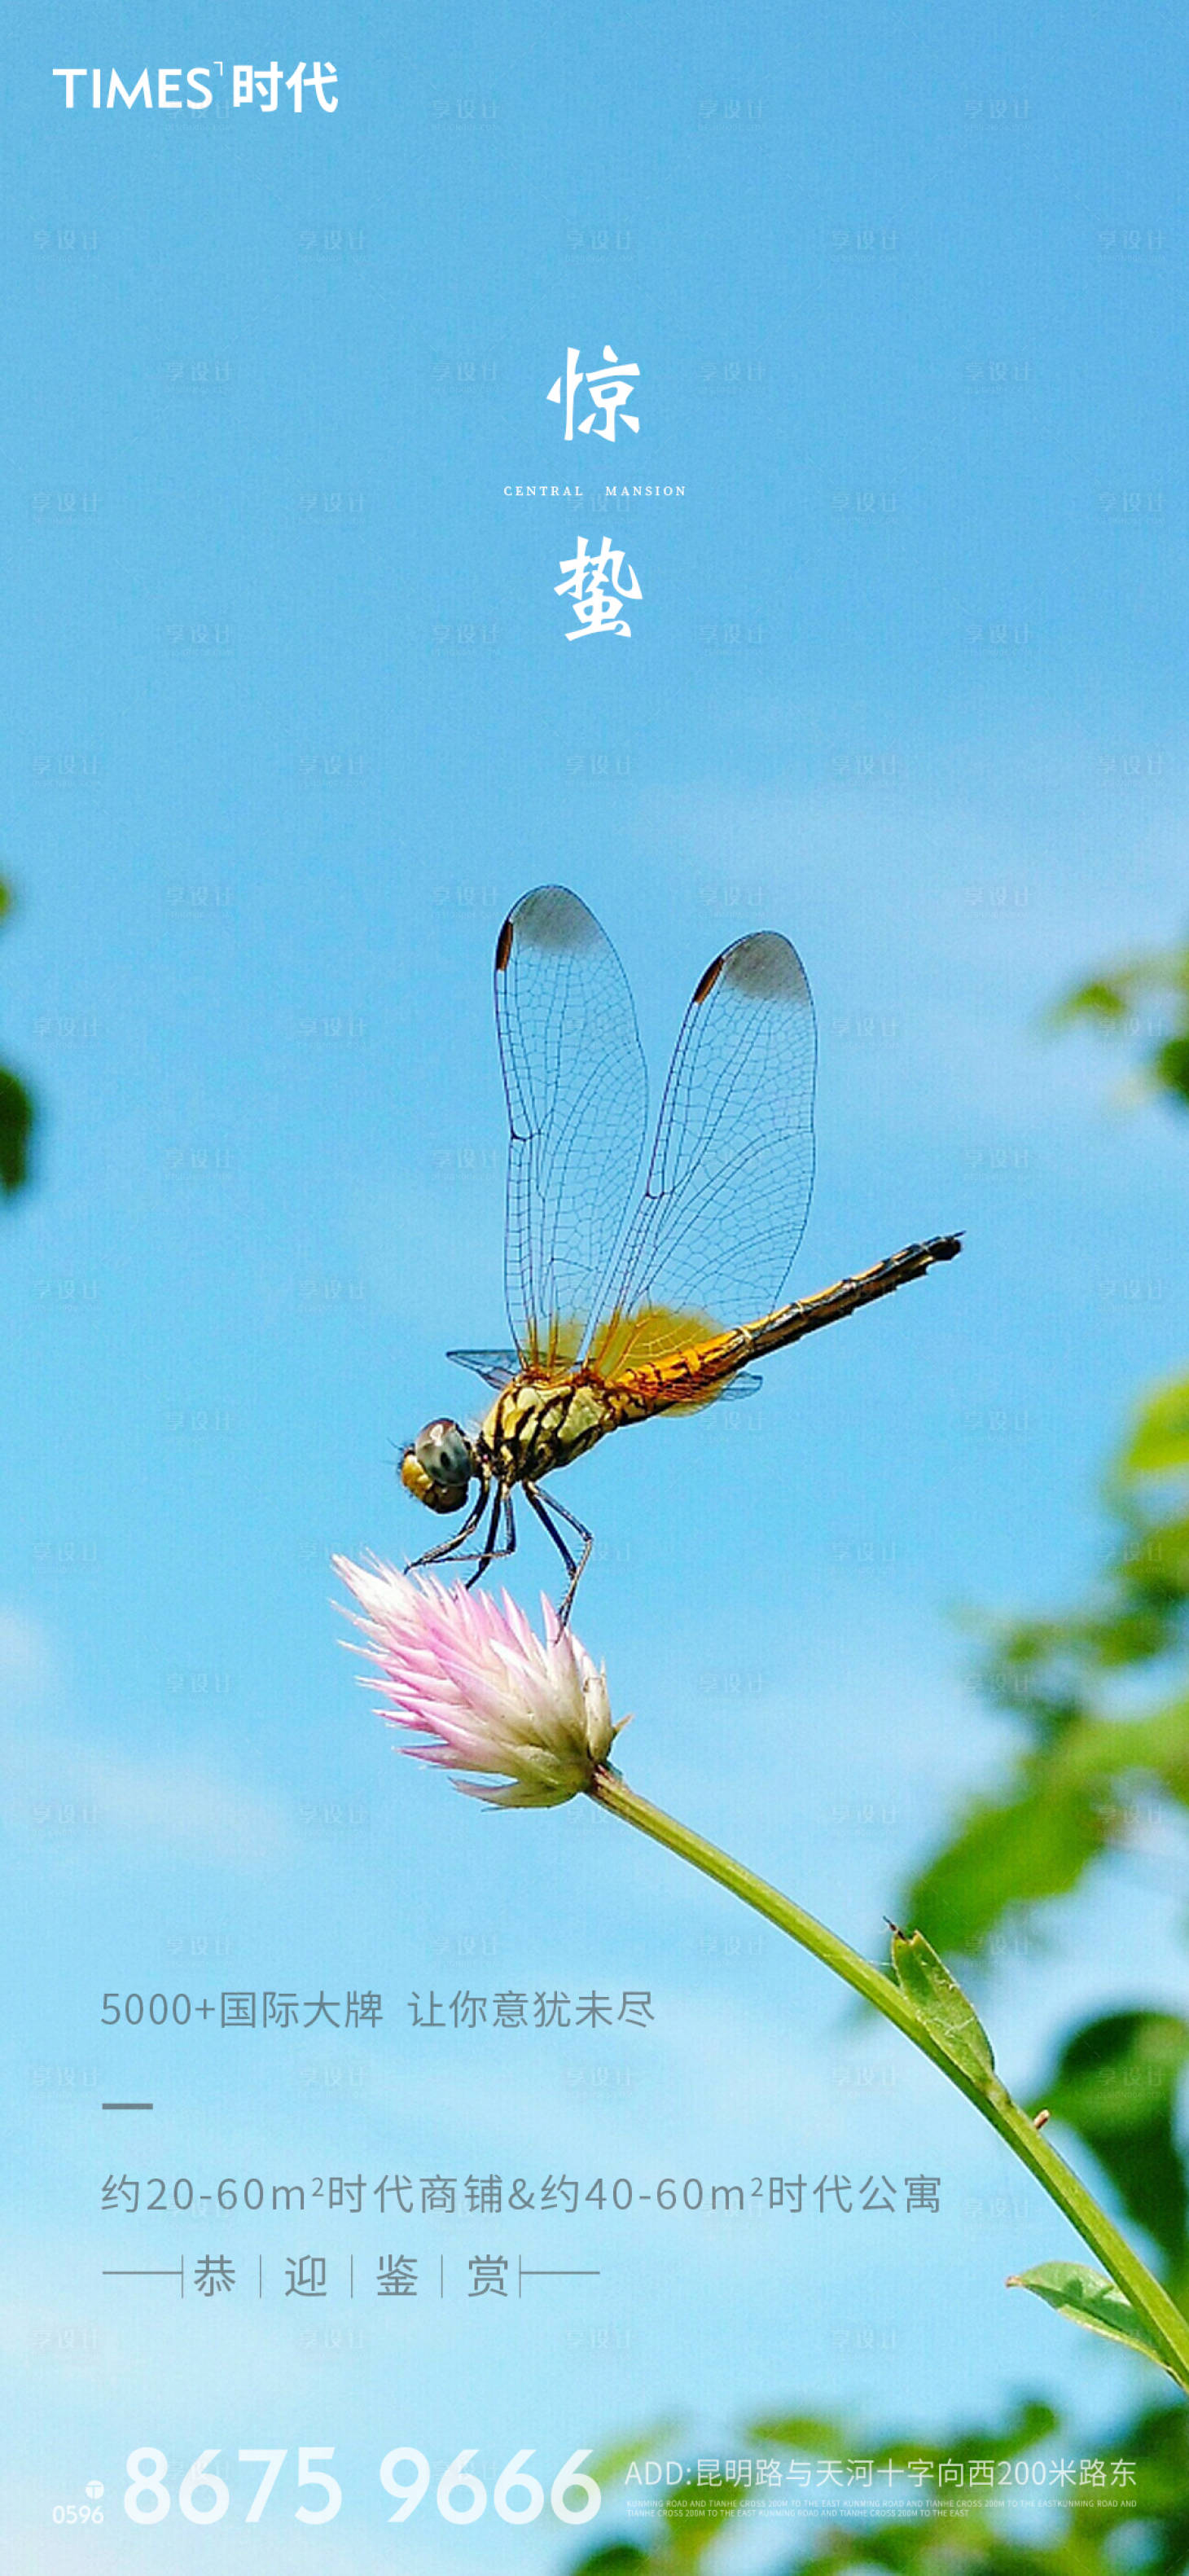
[
  {"x": 577, "y": 1107},
  {"x": 747, "y": 1382},
  {"x": 496, "y": 1366},
  {"x": 728, "y": 1185}
]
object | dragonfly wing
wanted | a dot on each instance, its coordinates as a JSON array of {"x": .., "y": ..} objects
[
  {"x": 747, "y": 1383},
  {"x": 731, "y": 1390},
  {"x": 577, "y": 1107},
  {"x": 496, "y": 1366},
  {"x": 728, "y": 1185}
]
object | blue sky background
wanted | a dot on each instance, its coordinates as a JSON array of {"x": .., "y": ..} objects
[{"x": 291, "y": 722}]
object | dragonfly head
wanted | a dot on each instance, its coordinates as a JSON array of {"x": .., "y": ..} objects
[{"x": 439, "y": 1466}]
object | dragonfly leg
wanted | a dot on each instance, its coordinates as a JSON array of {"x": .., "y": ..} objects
[
  {"x": 487, "y": 1546},
  {"x": 575, "y": 1566},
  {"x": 489, "y": 1550},
  {"x": 450, "y": 1546}
]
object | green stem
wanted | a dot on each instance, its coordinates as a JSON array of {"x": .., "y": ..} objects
[{"x": 1167, "y": 2326}]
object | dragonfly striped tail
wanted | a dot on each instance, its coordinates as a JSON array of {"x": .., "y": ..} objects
[
  {"x": 829, "y": 1305},
  {"x": 691, "y": 1376}
]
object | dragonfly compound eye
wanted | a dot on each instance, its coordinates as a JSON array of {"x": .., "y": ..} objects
[{"x": 439, "y": 1466}]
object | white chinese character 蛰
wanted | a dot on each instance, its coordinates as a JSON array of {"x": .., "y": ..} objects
[
  {"x": 596, "y": 608},
  {"x": 609, "y": 388}
]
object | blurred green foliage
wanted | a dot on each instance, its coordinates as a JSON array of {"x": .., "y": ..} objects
[
  {"x": 1115, "y": 2084},
  {"x": 1085, "y": 1757},
  {"x": 1125, "y": 999},
  {"x": 1086, "y": 1751},
  {"x": 1099, "y": 1699},
  {"x": 954, "y": 2530},
  {"x": 16, "y": 1108}
]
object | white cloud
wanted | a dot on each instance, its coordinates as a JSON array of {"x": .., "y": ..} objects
[
  {"x": 65, "y": 1788},
  {"x": 26, "y": 1659}
]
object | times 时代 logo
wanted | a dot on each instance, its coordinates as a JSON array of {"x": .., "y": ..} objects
[{"x": 162, "y": 87}]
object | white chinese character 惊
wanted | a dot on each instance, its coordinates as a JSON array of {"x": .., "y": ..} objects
[{"x": 609, "y": 387}]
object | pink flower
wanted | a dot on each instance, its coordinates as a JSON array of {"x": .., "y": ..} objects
[{"x": 490, "y": 1695}]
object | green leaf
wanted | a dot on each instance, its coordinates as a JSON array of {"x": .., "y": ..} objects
[
  {"x": 1159, "y": 2444},
  {"x": 703, "y": 2507},
  {"x": 1070, "y": 1797},
  {"x": 620, "y": 2559},
  {"x": 1032, "y": 2422},
  {"x": 1032, "y": 1846},
  {"x": 1112, "y": 1001},
  {"x": 1156, "y": 1566},
  {"x": 813, "y": 2435},
  {"x": 1091, "y": 2299},
  {"x": 1098, "y": 1000},
  {"x": 16, "y": 1108},
  {"x": 1170, "y": 1064},
  {"x": 1160, "y": 1439},
  {"x": 16, "y": 1121},
  {"x": 1115, "y": 2084},
  {"x": 694, "y": 2516},
  {"x": 939, "y": 1999},
  {"x": 1104, "y": 1754}
]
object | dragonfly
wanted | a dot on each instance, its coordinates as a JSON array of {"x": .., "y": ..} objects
[{"x": 625, "y": 1306}]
